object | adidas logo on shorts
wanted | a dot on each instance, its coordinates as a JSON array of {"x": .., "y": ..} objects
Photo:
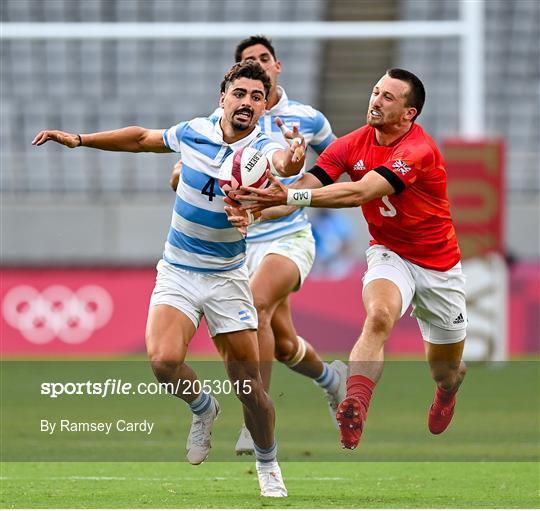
[{"x": 458, "y": 320}]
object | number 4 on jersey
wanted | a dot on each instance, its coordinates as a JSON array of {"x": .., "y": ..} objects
[{"x": 208, "y": 189}]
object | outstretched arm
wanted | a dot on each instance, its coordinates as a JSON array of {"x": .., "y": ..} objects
[
  {"x": 134, "y": 139},
  {"x": 243, "y": 216},
  {"x": 337, "y": 195}
]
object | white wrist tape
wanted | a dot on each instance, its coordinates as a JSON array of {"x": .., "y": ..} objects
[
  {"x": 298, "y": 197},
  {"x": 251, "y": 218}
]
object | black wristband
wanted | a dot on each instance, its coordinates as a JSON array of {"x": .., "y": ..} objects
[{"x": 80, "y": 140}]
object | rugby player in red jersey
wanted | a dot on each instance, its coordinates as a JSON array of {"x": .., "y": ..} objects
[{"x": 398, "y": 178}]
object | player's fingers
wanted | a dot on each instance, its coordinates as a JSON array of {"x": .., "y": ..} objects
[
  {"x": 237, "y": 221},
  {"x": 254, "y": 207},
  {"x": 256, "y": 192},
  {"x": 248, "y": 198},
  {"x": 287, "y": 133},
  {"x": 298, "y": 154},
  {"x": 235, "y": 217},
  {"x": 230, "y": 201},
  {"x": 41, "y": 137},
  {"x": 279, "y": 122}
]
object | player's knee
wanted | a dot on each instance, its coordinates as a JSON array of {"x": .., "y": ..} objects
[
  {"x": 285, "y": 350},
  {"x": 264, "y": 314},
  {"x": 290, "y": 352},
  {"x": 164, "y": 370},
  {"x": 380, "y": 319}
]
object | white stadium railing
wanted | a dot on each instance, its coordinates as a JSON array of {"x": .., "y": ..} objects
[{"x": 469, "y": 30}]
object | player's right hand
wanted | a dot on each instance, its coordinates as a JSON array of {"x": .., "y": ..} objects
[{"x": 67, "y": 139}]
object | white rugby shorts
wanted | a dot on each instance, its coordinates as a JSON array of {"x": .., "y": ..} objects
[
  {"x": 298, "y": 246},
  {"x": 437, "y": 297},
  {"x": 224, "y": 298}
]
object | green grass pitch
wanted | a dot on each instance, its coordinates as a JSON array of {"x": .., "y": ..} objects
[
  {"x": 234, "y": 485},
  {"x": 487, "y": 459}
]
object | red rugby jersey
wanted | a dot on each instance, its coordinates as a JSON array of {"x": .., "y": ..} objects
[{"x": 414, "y": 222}]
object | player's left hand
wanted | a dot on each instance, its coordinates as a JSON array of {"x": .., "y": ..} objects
[
  {"x": 175, "y": 175},
  {"x": 296, "y": 140},
  {"x": 238, "y": 218},
  {"x": 259, "y": 199}
]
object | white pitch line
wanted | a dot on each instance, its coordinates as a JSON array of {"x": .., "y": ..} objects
[{"x": 176, "y": 479}]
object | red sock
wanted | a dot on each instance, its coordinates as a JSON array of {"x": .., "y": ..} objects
[
  {"x": 361, "y": 387},
  {"x": 444, "y": 396}
]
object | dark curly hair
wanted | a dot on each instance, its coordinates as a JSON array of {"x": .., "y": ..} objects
[
  {"x": 247, "y": 69},
  {"x": 252, "y": 41}
]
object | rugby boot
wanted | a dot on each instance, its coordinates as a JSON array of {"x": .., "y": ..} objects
[
  {"x": 244, "y": 445},
  {"x": 338, "y": 395},
  {"x": 441, "y": 411},
  {"x": 350, "y": 419},
  {"x": 270, "y": 480},
  {"x": 198, "y": 442}
]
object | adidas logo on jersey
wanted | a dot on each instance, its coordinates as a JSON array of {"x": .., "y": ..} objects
[
  {"x": 458, "y": 320},
  {"x": 359, "y": 165}
]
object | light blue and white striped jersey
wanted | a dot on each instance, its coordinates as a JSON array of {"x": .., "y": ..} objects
[
  {"x": 317, "y": 133},
  {"x": 201, "y": 238}
]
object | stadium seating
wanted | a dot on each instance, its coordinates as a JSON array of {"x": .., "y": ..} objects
[
  {"x": 512, "y": 89},
  {"x": 87, "y": 86}
]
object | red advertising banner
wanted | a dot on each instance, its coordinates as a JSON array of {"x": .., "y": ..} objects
[
  {"x": 102, "y": 312},
  {"x": 476, "y": 194},
  {"x": 77, "y": 312}
]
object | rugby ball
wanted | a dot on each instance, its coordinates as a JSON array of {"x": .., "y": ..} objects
[{"x": 244, "y": 167}]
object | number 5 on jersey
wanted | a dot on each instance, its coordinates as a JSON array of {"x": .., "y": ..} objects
[{"x": 391, "y": 211}]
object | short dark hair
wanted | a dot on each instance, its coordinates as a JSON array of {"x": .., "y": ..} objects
[
  {"x": 417, "y": 94},
  {"x": 247, "y": 69},
  {"x": 252, "y": 41}
]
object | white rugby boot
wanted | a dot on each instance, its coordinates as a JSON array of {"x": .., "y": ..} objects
[
  {"x": 336, "y": 397},
  {"x": 270, "y": 480},
  {"x": 244, "y": 445},
  {"x": 198, "y": 442}
]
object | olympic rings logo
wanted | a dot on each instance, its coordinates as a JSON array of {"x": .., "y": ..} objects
[{"x": 57, "y": 312}]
